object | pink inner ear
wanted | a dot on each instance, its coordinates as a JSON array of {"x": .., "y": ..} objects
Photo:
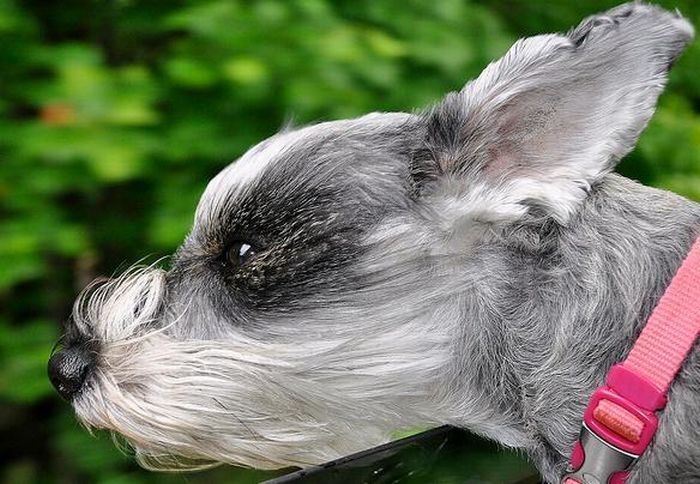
[
  {"x": 518, "y": 123},
  {"x": 528, "y": 131},
  {"x": 499, "y": 163}
]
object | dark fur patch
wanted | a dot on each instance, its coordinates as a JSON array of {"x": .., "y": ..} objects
[{"x": 307, "y": 213}]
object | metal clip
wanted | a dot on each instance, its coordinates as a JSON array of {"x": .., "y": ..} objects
[{"x": 602, "y": 463}]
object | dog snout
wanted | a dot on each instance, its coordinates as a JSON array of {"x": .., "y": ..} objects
[{"x": 69, "y": 368}]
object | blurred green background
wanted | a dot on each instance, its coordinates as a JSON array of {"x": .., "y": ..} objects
[{"x": 114, "y": 114}]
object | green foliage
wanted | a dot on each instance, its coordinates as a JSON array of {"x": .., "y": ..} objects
[{"x": 114, "y": 114}]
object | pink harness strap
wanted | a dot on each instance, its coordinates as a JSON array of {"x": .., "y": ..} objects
[
  {"x": 621, "y": 414},
  {"x": 668, "y": 336},
  {"x": 665, "y": 341}
]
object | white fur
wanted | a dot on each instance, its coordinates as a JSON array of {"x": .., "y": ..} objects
[{"x": 251, "y": 401}]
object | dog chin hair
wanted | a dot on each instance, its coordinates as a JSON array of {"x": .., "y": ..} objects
[{"x": 253, "y": 402}]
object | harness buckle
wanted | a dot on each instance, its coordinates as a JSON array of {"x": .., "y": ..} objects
[
  {"x": 618, "y": 425},
  {"x": 595, "y": 461}
]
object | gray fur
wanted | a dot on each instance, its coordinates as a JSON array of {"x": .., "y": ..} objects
[{"x": 476, "y": 265}]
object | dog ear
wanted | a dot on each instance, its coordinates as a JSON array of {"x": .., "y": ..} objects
[{"x": 555, "y": 114}]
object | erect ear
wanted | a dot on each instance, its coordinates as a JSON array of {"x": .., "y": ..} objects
[{"x": 555, "y": 114}]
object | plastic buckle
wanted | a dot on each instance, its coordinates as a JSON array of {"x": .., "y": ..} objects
[
  {"x": 648, "y": 418},
  {"x": 599, "y": 462},
  {"x": 601, "y": 455}
]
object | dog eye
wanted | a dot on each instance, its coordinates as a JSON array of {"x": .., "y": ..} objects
[{"x": 239, "y": 253}]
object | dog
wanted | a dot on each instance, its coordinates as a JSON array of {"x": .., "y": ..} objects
[{"x": 475, "y": 264}]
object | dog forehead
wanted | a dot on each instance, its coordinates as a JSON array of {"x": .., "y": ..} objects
[
  {"x": 375, "y": 131},
  {"x": 243, "y": 172}
]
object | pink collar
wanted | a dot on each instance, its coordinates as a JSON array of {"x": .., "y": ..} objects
[{"x": 620, "y": 420}]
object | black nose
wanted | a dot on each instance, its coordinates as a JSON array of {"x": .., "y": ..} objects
[{"x": 68, "y": 369}]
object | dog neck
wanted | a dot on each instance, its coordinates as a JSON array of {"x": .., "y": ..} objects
[{"x": 573, "y": 303}]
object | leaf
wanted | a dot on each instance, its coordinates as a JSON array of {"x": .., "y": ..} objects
[{"x": 24, "y": 352}]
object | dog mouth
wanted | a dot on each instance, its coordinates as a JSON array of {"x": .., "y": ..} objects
[{"x": 186, "y": 402}]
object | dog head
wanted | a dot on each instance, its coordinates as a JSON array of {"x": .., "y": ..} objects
[{"x": 329, "y": 290}]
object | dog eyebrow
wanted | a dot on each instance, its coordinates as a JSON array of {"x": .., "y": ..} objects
[
  {"x": 232, "y": 181},
  {"x": 254, "y": 164}
]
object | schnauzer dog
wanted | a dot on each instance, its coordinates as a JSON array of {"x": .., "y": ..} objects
[{"x": 476, "y": 264}]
